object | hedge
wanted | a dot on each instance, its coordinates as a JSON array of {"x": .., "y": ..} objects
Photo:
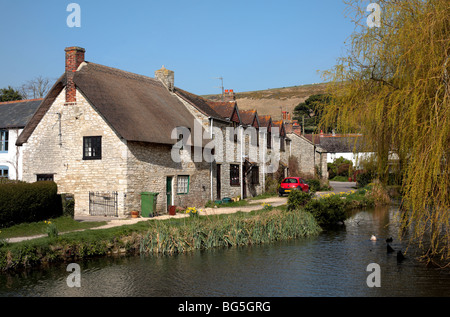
[{"x": 28, "y": 202}]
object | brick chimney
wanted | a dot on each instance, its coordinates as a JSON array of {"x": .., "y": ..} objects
[
  {"x": 229, "y": 95},
  {"x": 167, "y": 77},
  {"x": 74, "y": 57}
]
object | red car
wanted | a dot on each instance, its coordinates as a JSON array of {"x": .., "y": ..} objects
[{"x": 292, "y": 183}]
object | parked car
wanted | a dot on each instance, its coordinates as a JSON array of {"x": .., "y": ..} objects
[{"x": 292, "y": 183}]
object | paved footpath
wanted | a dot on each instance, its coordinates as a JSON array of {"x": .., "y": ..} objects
[{"x": 275, "y": 201}]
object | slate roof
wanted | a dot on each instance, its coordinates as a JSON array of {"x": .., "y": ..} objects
[
  {"x": 337, "y": 143},
  {"x": 137, "y": 107},
  {"x": 225, "y": 109},
  {"x": 265, "y": 122},
  {"x": 16, "y": 114},
  {"x": 248, "y": 117}
]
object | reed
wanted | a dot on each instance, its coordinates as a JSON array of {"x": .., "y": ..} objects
[{"x": 237, "y": 230}]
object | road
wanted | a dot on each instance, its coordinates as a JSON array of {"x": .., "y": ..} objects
[{"x": 339, "y": 187}]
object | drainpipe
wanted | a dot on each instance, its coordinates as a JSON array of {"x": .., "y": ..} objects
[
  {"x": 211, "y": 166},
  {"x": 264, "y": 161},
  {"x": 242, "y": 164}
]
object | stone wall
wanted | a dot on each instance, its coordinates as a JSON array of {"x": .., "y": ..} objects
[
  {"x": 149, "y": 165},
  {"x": 228, "y": 153},
  {"x": 306, "y": 154},
  {"x": 56, "y": 147}
]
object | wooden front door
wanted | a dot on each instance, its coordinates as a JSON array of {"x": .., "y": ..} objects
[
  {"x": 169, "y": 191},
  {"x": 218, "y": 182}
]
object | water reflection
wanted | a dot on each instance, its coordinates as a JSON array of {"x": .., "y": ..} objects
[{"x": 331, "y": 264}]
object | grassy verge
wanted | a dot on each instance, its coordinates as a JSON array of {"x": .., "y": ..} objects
[
  {"x": 161, "y": 237},
  {"x": 64, "y": 224}
]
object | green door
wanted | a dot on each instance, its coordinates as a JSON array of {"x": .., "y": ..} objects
[{"x": 169, "y": 191}]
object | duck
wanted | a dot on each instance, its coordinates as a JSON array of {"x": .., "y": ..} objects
[
  {"x": 373, "y": 238},
  {"x": 400, "y": 256},
  {"x": 390, "y": 249}
]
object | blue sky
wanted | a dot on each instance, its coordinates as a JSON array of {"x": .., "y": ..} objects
[{"x": 253, "y": 45}]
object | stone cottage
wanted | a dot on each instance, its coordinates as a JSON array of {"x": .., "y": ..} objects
[
  {"x": 106, "y": 135},
  {"x": 312, "y": 158}
]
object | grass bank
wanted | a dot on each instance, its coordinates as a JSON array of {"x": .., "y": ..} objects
[
  {"x": 161, "y": 237},
  {"x": 64, "y": 224}
]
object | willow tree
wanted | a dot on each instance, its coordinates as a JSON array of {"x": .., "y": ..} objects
[{"x": 392, "y": 86}]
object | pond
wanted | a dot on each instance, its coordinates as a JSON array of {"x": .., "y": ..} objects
[{"x": 332, "y": 264}]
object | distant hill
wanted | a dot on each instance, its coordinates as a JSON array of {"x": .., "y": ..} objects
[{"x": 273, "y": 101}]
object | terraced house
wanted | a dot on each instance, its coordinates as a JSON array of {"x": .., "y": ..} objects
[{"x": 106, "y": 136}]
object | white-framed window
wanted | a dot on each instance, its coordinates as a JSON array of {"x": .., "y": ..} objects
[
  {"x": 182, "y": 184},
  {"x": 4, "y": 136},
  {"x": 4, "y": 172}
]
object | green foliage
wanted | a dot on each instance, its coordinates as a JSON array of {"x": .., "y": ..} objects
[
  {"x": 9, "y": 94},
  {"x": 393, "y": 88},
  {"x": 64, "y": 224},
  {"x": 22, "y": 202},
  {"x": 68, "y": 205},
  {"x": 267, "y": 207},
  {"x": 339, "y": 167},
  {"x": 297, "y": 199},
  {"x": 314, "y": 185},
  {"x": 235, "y": 230},
  {"x": 310, "y": 111},
  {"x": 365, "y": 178},
  {"x": 163, "y": 237},
  {"x": 327, "y": 211},
  {"x": 271, "y": 185},
  {"x": 51, "y": 230}
]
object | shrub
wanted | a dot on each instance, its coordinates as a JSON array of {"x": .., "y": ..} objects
[
  {"x": 271, "y": 185},
  {"x": 314, "y": 185},
  {"x": 364, "y": 178},
  {"x": 298, "y": 199},
  {"x": 328, "y": 211},
  {"x": 378, "y": 195},
  {"x": 68, "y": 205},
  {"x": 343, "y": 169},
  {"x": 24, "y": 202}
]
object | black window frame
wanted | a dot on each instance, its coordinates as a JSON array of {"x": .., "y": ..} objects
[
  {"x": 45, "y": 177},
  {"x": 235, "y": 175},
  {"x": 95, "y": 146}
]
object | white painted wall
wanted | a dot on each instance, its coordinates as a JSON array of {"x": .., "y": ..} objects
[{"x": 13, "y": 158}]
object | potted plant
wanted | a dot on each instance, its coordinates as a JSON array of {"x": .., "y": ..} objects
[{"x": 134, "y": 214}]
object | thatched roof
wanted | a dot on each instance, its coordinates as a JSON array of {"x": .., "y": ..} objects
[{"x": 137, "y": 107}]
